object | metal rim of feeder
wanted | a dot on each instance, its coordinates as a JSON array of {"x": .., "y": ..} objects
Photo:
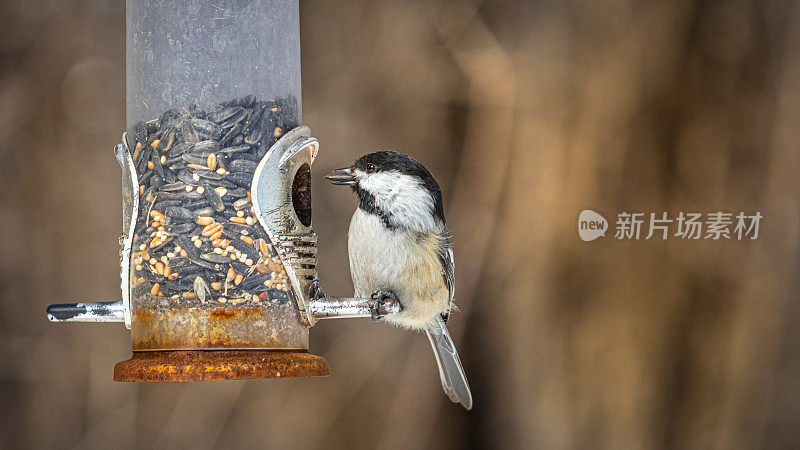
[{"x": 295, "y": 242}]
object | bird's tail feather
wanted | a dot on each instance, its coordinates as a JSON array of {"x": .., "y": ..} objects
[{"x": 454, "y": 381}]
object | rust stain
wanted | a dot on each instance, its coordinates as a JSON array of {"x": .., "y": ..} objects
[
  {"x": 222, "y": 313},
  {"x": 207, "y": 365},
  {"x": 142, "y": 314},
  {"x": 259, "y": 328}
]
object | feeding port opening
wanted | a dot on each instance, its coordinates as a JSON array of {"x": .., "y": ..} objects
[{"x": 301, "y": 194}]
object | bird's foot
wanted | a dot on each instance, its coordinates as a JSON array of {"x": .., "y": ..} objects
[
  {"x": 383, "y": 301},
  {"x": 315, "y": 291}
]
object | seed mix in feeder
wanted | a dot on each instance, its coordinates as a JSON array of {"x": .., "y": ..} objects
[{"x": 197, "y": 239}]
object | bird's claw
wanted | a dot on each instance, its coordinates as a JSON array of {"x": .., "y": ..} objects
[
  {"x": 381, "y": 299},
  {"x": 315, "y": 291}
]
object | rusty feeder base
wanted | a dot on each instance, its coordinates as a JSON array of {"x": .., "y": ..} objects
[{"x": 209, "y": 365}]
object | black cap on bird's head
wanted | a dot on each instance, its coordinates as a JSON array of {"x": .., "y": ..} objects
[
  {"x": 390, "y": 184},
  {"x": 374, "y": 162}
]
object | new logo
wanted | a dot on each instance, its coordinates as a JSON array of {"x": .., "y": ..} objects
[{"x": 591, "y": 225}]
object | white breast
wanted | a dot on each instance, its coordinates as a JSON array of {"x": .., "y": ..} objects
[
  {"x": 401, "y": 262},
  {"x": 376, "y": 254}
]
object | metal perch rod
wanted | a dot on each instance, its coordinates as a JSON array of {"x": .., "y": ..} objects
[
  {"x": 322, "y": 308},
  {"x": 86, "y": 312},
  {"x": 342, "y": 308}
]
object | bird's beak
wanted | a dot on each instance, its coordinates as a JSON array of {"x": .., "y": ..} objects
[{"x": 342, "y": 177}]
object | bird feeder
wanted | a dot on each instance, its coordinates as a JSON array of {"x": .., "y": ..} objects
[{"x": 218, "y": 256}]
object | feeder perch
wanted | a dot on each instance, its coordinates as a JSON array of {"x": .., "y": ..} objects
[{"x": 218, "y": 255}]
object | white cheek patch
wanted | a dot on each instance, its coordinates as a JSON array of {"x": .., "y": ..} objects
[{"x": 402, "y": 197}]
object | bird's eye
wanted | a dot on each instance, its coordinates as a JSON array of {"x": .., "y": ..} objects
[{"x": 370, "y": 168}]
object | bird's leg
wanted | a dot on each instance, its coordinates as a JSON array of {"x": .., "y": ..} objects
[
  {"x": 381, "y": 301},
  {"x": 315, "y": 291}
]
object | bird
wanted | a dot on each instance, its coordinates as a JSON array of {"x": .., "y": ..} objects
[{"x": 399, "y": 250}]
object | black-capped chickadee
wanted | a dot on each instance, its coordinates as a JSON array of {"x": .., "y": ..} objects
[{"x": 399, "y": 247}]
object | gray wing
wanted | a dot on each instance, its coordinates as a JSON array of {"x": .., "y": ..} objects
[{"x": 448, "y": 266}]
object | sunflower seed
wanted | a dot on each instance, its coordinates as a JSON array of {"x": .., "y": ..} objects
[
  {"x": 180, "y": 214},
  {"x": 243, "y": 165},
  {"x": 216, "y": 258},
  {"x": 204, "y": 148},
  {"x": 241, "y": 179},
  {"x": 224, "y": 114}
]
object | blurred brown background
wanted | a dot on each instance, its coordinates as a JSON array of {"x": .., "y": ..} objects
[{"x": 527, "y": 113}]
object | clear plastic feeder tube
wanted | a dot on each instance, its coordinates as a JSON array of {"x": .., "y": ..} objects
[
  {"x": 204, "y": 52},
  {"x": 211, "y": 86}
]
